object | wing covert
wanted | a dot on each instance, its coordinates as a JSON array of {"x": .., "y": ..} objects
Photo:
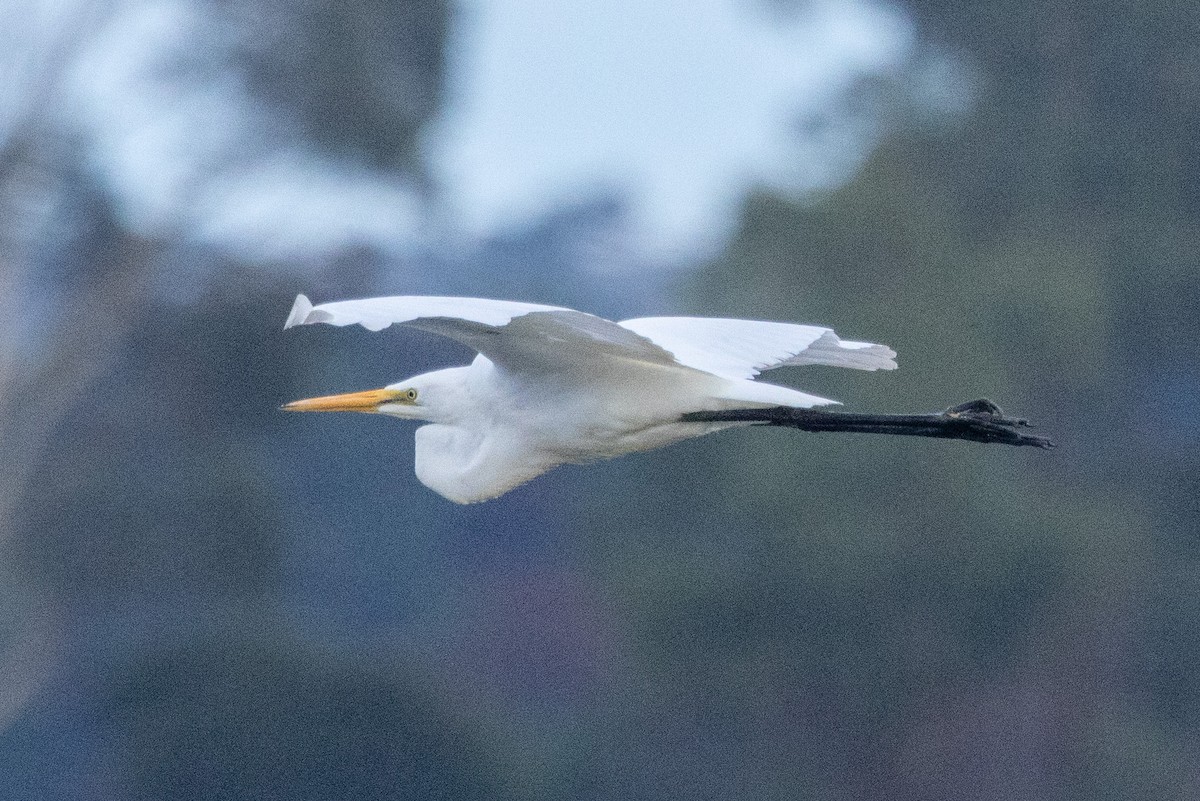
[
  {"x": 376, "y": 314},
  {"x": 525, "y": 337}
]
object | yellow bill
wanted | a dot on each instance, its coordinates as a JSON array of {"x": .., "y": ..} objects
[{"x": 367, "y": 401}]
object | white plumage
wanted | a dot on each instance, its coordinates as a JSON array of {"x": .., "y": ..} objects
[{"x": 554, "y": 385}]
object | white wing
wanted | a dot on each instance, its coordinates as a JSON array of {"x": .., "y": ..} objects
[
  {"x": 530, "y": 337},
  {"x": 744, "y": 348},
  {"x": 376, "y": 314},
  {"x": 524, "y": 337}
]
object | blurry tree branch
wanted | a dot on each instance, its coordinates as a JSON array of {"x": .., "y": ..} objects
[
  {"x": 37, "y": 394},
  {"x": 95, "y": 321},
  {"x": 36, "y": 399}
]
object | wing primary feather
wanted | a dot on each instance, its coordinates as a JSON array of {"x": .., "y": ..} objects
[
  {"x": 835, "y": 352},
  {"x": 299, "y": 313},
  {"x": 743, "y": 348}
]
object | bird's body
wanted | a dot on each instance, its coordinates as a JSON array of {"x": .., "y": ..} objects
[
  {"x": 519, "y": 429},
  {"x": 555, "y": 386}
]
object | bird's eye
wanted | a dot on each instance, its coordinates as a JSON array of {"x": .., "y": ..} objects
[{"x": 410, "y": 395}]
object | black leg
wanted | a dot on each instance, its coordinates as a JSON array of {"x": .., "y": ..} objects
[{"x": 978, "y": 421}]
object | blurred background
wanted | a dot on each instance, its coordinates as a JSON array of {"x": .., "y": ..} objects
[{"x": 201, "y": 597}]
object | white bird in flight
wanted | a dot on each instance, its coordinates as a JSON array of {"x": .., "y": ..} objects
[{"x": 554, "y": 386}]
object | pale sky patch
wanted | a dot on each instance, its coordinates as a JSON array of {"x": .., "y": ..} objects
[
  {"x": 681, "y": 108},
  {"x": 684, "y": 106},
  {"x": 191, "y": 153}
]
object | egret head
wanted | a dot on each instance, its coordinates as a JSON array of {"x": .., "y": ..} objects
[{"x": 421, "y": 397}]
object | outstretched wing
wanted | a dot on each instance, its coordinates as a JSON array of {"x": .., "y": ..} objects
[
  {"x": 528, "y": 337},
  {"x": 744, "y": 348},
  {"x": 524, "y": 337}
]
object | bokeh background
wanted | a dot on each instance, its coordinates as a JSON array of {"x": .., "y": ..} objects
[{"x": 201, "y": 597}]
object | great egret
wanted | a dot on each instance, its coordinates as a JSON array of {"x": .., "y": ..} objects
[{"x": 553, "y": 386}]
